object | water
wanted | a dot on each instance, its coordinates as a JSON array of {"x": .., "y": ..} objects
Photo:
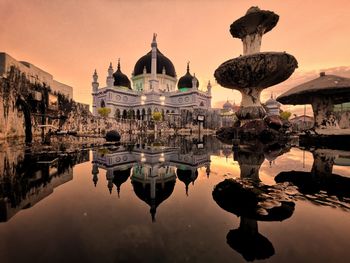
[{"x": 153, "y": 201}]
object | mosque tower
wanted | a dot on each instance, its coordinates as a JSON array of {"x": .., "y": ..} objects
[
  {"x": 154, "y": 81},
  {"x": 95, "y": 85}
]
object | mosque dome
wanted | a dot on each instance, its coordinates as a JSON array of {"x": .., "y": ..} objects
[
  {"x": 272, "y": 102},
  {"x": 227, "y": 106},
  {"x": 185, "y": 82},
  {"x": 121, "y": 79},
  {"x": 163, "y": 62}
]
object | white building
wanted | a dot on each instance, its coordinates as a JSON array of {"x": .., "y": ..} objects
[
  {"x": 153, "y": 88},
  {"x": 272, "y": 106}
]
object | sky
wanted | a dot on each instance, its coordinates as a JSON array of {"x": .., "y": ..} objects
[{"x": 72, "y": 38}]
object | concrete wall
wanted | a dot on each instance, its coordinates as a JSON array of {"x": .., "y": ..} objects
[
  {"x": 33, "y": 74},
  {"x": 62, "y": 88}
]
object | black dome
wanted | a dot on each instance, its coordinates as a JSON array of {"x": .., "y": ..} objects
[
  {"x": 120, "y": 177},
  {"x": 121, "y": 79},
  {"x": 162, "y": 62},
  {"x": 186, "y": 80},
  {"x": 163, "y": 192}
]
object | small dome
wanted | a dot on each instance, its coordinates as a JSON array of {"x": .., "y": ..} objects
[
  {"x": 145, "y": 62},
  {"x": 121, "y": 79},
  {"x": 227, "y": 105},
  {"x": 120, "y": 177},
  {"x": 272, "y": 102},
  {"x": 185, "y": 82}
]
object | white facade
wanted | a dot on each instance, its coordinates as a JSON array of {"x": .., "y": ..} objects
[
  {"x": 272, "y": 107},
  {"x": 149, "y": 92}
]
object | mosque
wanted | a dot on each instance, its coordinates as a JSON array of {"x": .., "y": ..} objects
[{"x": 154, "y": 87}]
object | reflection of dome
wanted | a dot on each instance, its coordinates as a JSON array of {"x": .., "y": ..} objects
[
  {"x": 162, "y": 62},
  {"x": 185, "y": 82},
  {"x": 186, "y": 176},
  {"x": 163, "y": 190},
  {"x": 120, "y": 177}
]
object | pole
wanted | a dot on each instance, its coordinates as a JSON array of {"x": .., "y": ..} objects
[{"x": 304, "y": 116}]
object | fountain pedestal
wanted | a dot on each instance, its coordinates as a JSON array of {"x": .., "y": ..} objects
[{"x": 254, "y": 71}]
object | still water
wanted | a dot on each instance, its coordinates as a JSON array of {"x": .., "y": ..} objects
[{"x": 175, "y": 200}]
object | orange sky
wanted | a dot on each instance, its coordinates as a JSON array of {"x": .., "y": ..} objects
[{"x": 69, "y": 39}]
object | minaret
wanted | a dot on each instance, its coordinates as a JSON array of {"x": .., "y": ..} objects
[
  {"x": 154, "y": 82},
  {"x": 209, "y": 88},
  {"x": 154, "y": 57},
  {"x": 110, "y": 79},
  {"x": 95, "y": 85},
  {"x": 209, "y": 93}
]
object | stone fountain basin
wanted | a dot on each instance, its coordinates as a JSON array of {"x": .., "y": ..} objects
[{"x": 260, "y": 70}]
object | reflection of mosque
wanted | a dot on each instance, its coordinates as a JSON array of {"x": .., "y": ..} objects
[
  {"x": 154, "y": 168},
  {"x": 32, "y": 178}
]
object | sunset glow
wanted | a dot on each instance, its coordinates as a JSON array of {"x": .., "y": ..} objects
[{"x": 71, "y": 38}]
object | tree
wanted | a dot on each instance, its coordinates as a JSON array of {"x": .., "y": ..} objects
[
  {"x": 104, "y": 112},
  {"x": 285, "y": 115},
  {"x": 157, "y": 116}
]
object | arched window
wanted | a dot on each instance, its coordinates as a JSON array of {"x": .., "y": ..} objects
[
  {"x": 117, "y": 114},
  {"x": 103, "y": 104},
  {"x": 201, "y": 104},
  {"x": 124, "y": 114},
  {"x": 138, "y": 114},
  {"x": 149, "y": 114}
]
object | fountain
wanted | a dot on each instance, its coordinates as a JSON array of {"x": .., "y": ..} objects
[{"x": 255, "y": 70}]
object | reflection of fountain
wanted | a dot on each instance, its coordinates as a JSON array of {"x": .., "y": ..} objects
[
  {"x": 320, "y": 178},
  {"x": 250, "y": 159},
  {"x": 251, "y": 155},
  {"x": 247, "y": 241},
  {"x": 254, "y": 71},
  {"x": 253, "y": 202}
]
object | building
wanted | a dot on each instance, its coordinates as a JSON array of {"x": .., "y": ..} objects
[
  {"x": 154, "y": 87},
  {"x": 302, "y": 123},
  {"x": 272, "y": 106},
  {"x": 33, "y": 74},
  {"x": 228, "y": 114}
]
